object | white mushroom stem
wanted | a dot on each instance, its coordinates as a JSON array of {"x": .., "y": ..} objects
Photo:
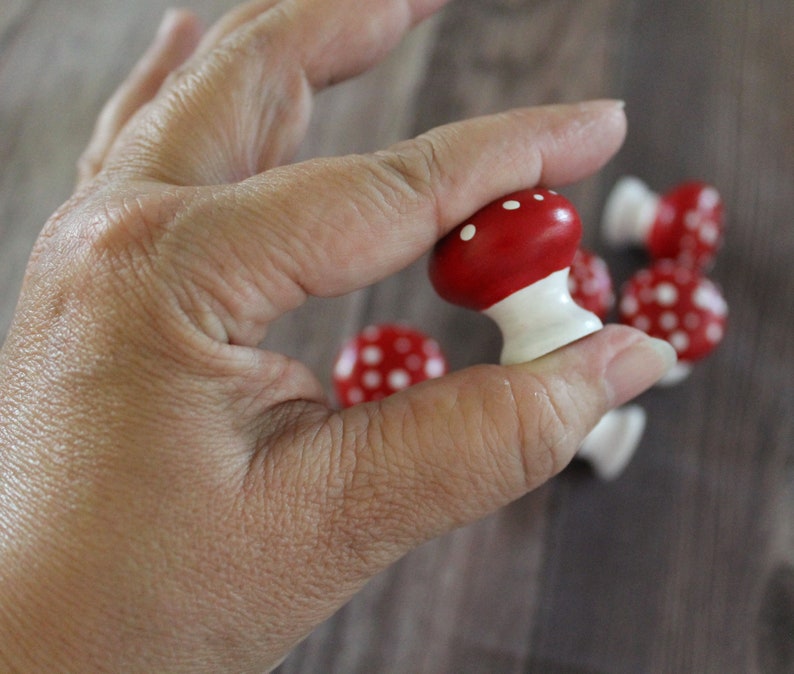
[
  {"x": 610, "y": 445},
  {"x": 629, "y": 213},
  {"x": 540, "y": 319}
]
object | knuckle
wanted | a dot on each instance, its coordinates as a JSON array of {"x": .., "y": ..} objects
[{"x": 412, "y": 172}]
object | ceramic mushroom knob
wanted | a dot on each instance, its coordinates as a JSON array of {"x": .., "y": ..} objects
[
  {"x": 674, "y": 302},
  {"x": 685, "y": 224},
  {"x": 609, "y": 447},
  {"x": 511, "y": 260},
  {"x": 590, "y": 283},
  {"x": 384, "y": 359}
]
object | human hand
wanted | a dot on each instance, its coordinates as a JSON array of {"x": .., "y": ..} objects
[{"x": 174, "y": 498}]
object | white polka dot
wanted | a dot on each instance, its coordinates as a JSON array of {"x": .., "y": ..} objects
[
  {"x": 666, "y": 266},
  {"x": 345, "y": 364},
  {"x": 692, "y": 321},
  {"x": 666, "y": 294},
  {"x": 707, "y": 298},
  {"x": 709, "y": 198},
  {"x": 511, "y": 205},
  {"x": 371, "y": 355},
  {"x": 355, "y": 396},
  {"x": 371, "y": 333},
  {"x": 371, "y": 379},
  {"x": 692, "y": 220},
  {"x": 591, "y": 287},
  {"x": 646, "y": 295},
  {"x": 538, "y": 197},
  {"x": 468, "y": 232},
  {"x": 683, "y": 275},
  {"x": 709, "y": 233},
  {"x": 714, "y": 333},
  {"x": 431, "y": 347},
  {"x": 680, "y": 341},
  {"x": 668, "y": 321},
  {"x": 641, "y": 323},
  {"x": 434, "y": 368},
  {"x": 686, "y": 257},
  {"x": 688, "y": 241},
  {"x": 402, "y": 345},
  {"x": 413, "y": 362},
  {"x": 629, "y": 305},
  {"x": 398, "y": 379}
]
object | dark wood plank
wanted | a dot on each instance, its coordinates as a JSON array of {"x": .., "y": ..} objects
[{"x": 704, "y": 496}]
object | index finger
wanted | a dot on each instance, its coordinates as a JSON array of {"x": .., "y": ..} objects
[{"x": 328, "y": 227}]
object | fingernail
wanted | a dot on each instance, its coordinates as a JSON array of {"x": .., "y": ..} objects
[
  {"x": 638, "y": 367},
  {"x": 603, "y": 104}
]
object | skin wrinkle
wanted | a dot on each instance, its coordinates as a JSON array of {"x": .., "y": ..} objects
[
  {"x": 231, "y": 304},
  {"x": 416, "y": 167},
  {"x": 365, "y": 520}
]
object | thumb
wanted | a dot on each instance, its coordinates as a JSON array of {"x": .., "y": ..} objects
[{"x": 452, "y": 450}]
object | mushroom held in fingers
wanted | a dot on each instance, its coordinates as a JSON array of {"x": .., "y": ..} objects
[
  {"x": 384, "y": 359},
  {"x": 685, "y": 224},
  {"x": 511, "y": 260},
  {"x": 674, "y": 302},
  {"x": 590, "y": 283}
]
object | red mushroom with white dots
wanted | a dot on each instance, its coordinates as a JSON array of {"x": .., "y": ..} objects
[
  {"x": 674, "y": 302},
  {"x": 511, "y": 261},
  {"x": 684, "y": 224},
  {"x": 590, "y": 283},
  {"x": 382, "y": 360}
]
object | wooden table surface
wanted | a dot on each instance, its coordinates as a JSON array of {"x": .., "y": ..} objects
[{"x": 685, "y": 563}]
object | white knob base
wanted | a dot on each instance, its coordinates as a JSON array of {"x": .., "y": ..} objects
[
  {"x": 678, "y": 373},
  {"x": 609, "y": 447},
  {"x": 540, "y": 319},
  {"x": 629, "y": 213}
]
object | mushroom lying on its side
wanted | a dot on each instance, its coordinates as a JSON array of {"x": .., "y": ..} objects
[{"x": 684, "y": 224}]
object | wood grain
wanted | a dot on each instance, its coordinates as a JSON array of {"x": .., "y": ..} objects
[{"x": 686, "y": 563}]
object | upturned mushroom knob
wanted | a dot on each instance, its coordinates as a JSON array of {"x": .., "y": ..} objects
[
  {"x": 609, "y": 447},
  {"x": 382, "y": 360},
  {"x": 684, "y": 224},
  {"x": 511, "y": 261},
  {"x": 674, "y": 302}
]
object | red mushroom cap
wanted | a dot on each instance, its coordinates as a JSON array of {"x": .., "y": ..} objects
[
  {"x": 674, "y": 302},
  {"x": 688, "y": 225},
  {"x": 506, "y": 246},
  {"x": 590, "y": 283},
  {"x": 384, "y": 359}
]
